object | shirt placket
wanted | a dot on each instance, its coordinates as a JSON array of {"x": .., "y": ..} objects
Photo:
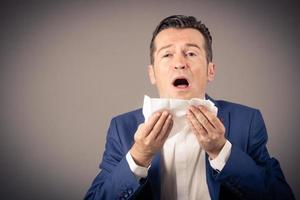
[{"x": 181, "y": 168}]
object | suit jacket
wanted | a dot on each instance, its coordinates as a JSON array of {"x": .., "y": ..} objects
[{"x": 249, "y": 172}]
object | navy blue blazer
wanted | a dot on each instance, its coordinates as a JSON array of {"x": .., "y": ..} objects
[{"x": 249, "y": 173}]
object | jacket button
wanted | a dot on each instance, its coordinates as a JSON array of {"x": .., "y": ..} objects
[{"x": 129, "y": 191}]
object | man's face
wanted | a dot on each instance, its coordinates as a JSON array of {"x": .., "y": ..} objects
[{"x": 180, "y": 68}]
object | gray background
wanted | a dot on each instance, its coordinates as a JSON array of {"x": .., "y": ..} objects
[{"x": 68, "y": 67}]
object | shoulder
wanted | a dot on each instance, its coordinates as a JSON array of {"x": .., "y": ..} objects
[
  {"x": 227, "y": 106},
  {"x": 133, "y": 117},
  {"x": 239, "y": 112},
  {"x": 242, "y": 120}
]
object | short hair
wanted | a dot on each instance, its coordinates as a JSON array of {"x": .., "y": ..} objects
[{"x": 182, "y": 22}]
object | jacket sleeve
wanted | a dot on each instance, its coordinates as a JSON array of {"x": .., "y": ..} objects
[
  {"x": 253, "y": 174},
  {"x": 115, "y": 180}
]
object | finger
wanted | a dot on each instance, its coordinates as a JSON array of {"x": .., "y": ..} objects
[
  {"x": 202, "y": 119},
  {"x": 209, "y": 115},
  {"x": 166, "y": 128},
  {"x": 199, "y": 136},
  {"x": 214, "y": 120},
  {"x": 158, "y": 126},
  {"x": 195, "y": 123},
  {"x": 169, "y": 130},
  {"x": 148, "y": 126}
]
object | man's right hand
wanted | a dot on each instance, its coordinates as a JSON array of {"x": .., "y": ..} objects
[{"x": 150, "y": 137}]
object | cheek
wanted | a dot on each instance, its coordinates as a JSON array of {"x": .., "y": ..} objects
[
  {"x": 162, "y": 70},
  {"x": 163, "y": 79},
  {"x": 200, "y": 71},
  {"x": 200, "y": 76},
  {"x": 165, "y": 62}
]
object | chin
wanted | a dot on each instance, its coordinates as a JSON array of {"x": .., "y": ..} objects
[{"x": 184, "y": 96}]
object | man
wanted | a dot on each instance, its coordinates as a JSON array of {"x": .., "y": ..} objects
[{"x": 230, "y": 161}]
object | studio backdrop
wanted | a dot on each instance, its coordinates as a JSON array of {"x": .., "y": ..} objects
[{"x": 68, "y": 67}]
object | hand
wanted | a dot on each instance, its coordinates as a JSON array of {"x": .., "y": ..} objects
[
  {"x": 208, "y": 129},
  {"x": 150, "y": 137}
]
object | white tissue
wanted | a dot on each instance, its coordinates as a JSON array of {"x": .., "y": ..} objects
[{"x": 177, "y": 107}]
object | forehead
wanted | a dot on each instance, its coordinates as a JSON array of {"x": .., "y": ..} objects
[{"x": 179, "y": 36}]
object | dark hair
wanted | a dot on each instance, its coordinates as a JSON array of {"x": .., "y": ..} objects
[{"x": 182, "y": 22}]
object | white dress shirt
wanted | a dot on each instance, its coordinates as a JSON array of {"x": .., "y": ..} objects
[{"x": 182, "y": 163}]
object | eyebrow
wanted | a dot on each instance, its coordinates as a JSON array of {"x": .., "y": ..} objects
[
  {"x": 193, "y": 45},
  {"x": 164, "y": 47},
  {"x": 187, "y": 44}
]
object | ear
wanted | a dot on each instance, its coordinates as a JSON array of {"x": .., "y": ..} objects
[
  {"x": 151, "y": 74},
  {"x": 211, "y": 72}
]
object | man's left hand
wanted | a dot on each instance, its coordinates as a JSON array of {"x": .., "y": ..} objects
[{"x": 208, "y": 129}]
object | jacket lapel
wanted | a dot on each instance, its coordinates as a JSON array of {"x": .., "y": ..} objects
[
  {"x": 214, "y": 186},
  {"x": 154, "y": 176}
]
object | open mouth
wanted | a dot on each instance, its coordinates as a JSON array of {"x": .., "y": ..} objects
[{"x": 181, "y": 83}]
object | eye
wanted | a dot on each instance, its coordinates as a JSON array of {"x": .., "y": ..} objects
[
  {"x": 166, "y": 55},
  {"x": 190, "y": 54}
]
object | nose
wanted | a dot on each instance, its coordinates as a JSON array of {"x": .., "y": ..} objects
[
  {"x": 179, "y": 62},
  {"x": 180, "y": 66}
]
